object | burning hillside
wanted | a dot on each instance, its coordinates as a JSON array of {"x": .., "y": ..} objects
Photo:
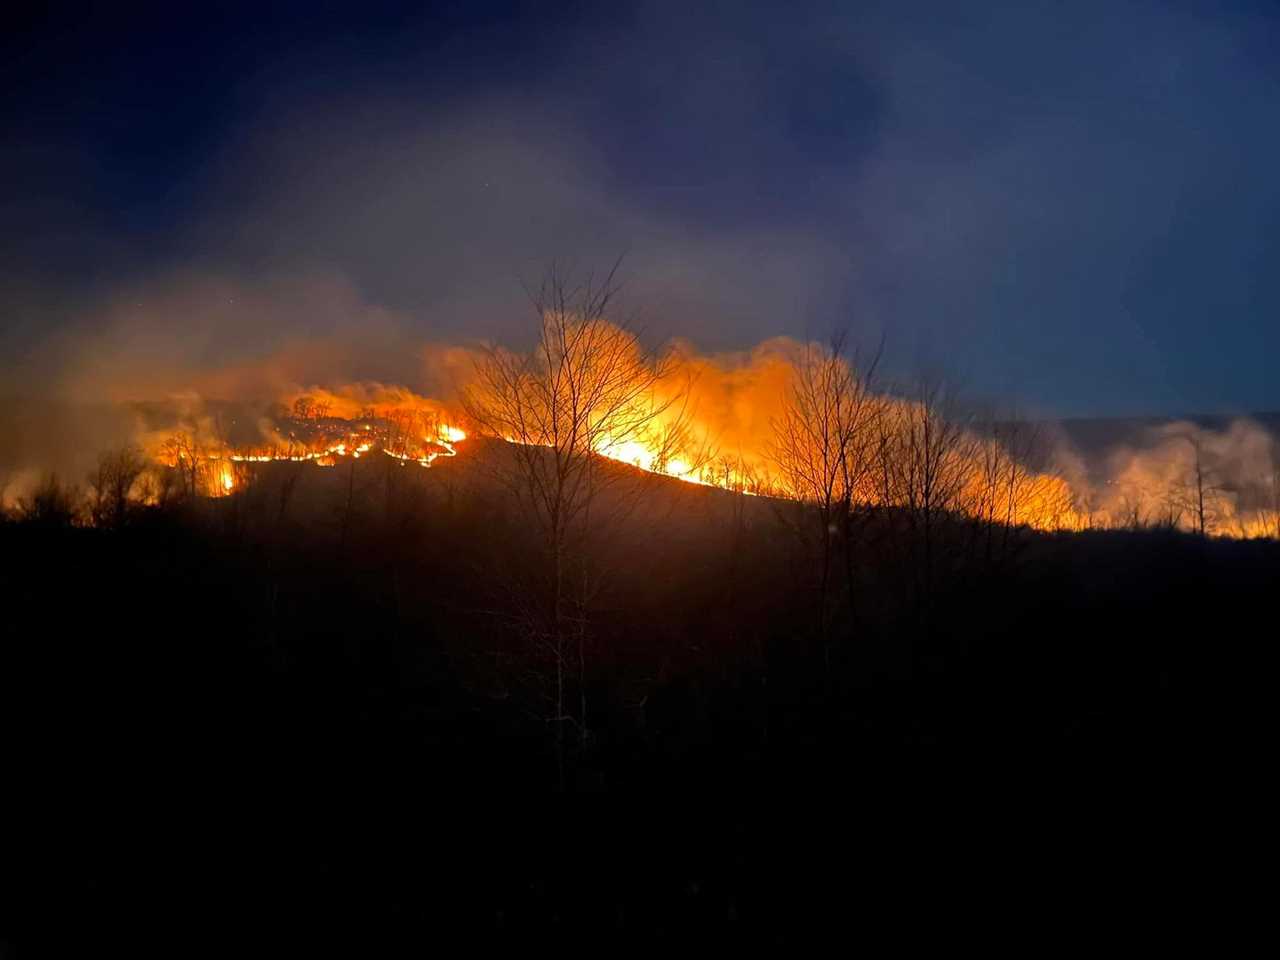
[
  {"x": 207, "y": 452},
  {"x": 802, "y": 421}
]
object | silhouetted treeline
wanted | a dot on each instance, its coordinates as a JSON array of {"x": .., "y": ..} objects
[{"x": 327, "y": 635}]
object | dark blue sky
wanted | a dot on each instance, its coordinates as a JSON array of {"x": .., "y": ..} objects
[{"x": 1074, "y": 205}]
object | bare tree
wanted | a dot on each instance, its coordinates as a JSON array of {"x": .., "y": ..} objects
[
  {"x": 185, "y": 453},
  {"x": 51, "y": 504},
  {"x": 1005, "y": 490},
  {"x": 1199, "y": 493},
  {"x": 1132, "y": 512},
  {"x": 112, "y": 484},
  {"x": 586, "y": 388},
  {"x": 1270, "y": 513},
  {"x": 1171, "y": 508},
  {"x": 925, "y": 461},
  {"x": 823, "y": 446},
  {"x": 309, "y": 408}
]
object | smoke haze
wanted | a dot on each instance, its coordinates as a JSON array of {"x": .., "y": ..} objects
[{"x": 274, "y": 210}]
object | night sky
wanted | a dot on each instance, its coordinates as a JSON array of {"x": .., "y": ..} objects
[{"x": 1072, "y": 205}]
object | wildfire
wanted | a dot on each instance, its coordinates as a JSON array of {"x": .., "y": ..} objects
[
  {"x": 713, "y": 421},
  {"x": 310, "y": 433},
  {"x": 649, "y": 459}
]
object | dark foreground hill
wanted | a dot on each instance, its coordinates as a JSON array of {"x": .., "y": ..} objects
[{"x": 244, "y": 715}]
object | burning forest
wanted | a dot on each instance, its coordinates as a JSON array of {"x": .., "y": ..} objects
[
  {"x": 808, "y": 422},
  {"x": 704, "y": 404},
  {"x": 208, "y": 459}
]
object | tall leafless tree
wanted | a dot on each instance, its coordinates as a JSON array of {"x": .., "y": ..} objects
[
  {"x": 1199, "y": 493},
  {"x": 925, "y": 463},
  {"x": 824, "y": 447},
  {"x": 586, "y": 387},
  {"x": 112, "y": 484},
  {"x": 185, "y": 452},
  {"x": 1270, "y": 513},
  {"x": 1004, "y": 489}
]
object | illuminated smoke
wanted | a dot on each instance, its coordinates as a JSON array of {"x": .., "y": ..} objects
[{"x": 186, "y": 397}]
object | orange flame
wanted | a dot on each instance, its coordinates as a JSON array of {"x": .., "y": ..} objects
[{"x": 721, "y": 409}]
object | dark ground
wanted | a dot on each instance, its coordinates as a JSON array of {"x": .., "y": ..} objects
[{"x": 231, "y": 734}]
